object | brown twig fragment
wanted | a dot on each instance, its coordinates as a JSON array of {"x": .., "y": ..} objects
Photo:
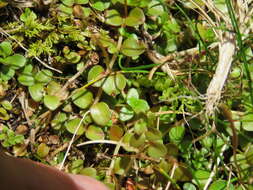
[{"x": 24, "y": 105}]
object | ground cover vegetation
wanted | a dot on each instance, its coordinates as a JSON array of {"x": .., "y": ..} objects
[{"x": 139, "y": 94}]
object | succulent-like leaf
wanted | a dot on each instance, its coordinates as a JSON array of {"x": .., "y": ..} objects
[
  {"x": 136, "y": 17},
  {"x": 5, "y": 49},
  {"x": 132, "y": 47},
  {"x": 100, "y": 113},
  {"x": 36, "y": 92},
  {"x": 51, "y": 102},
  {"x": 94, "y": 133},
  {"x": 72, "y": 125},
  {"x": 113, "y": 18},
  {"x": 82, "y": 98},
  {"x": 44, "y": 76},
  {"x": 15, "y": 61}
]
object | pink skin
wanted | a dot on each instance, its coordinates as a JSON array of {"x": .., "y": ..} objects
[{"x": 24, "y": 174}]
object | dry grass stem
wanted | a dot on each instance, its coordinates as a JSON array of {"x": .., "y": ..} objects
[
  {"x": 107, "y": 142},
  {"x": 24, "y": 104},
  {"x": 72, "y": 140},
  {"x": 215, "y": 167},
  {"x": 171, "y": 175},
  {"x": 226, "y": 53}
]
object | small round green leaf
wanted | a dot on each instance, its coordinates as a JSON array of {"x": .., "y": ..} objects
[
  {"x": 135, "y": 17},
  {"x": 153, "y": 134},
  {"x": 43, "y": 150},
  {"x": 4, "y": 114},
  {"x": 94, "y": 133},
  {"x": 58, "y": 120},
  {"x": 6, "y": 104},
  {"x": 201, "y": 174},
  {"x": 121, "y": 164},
  {"x": 100, "y": 6},
  {"x": 126, "y": 114},
  {"x": 68, "y": 108},
  {"x": 5, "y": 49},
  {"x": 140, "y": 127},
  {"x": 207, "y": 142},
  {"x": 94, "y": 73},
  {"x": 89, "y": 171},
  {"x": 73, "y": 57},
  {"x": 114, "y": 84},
  {"x": 137, "y": 140},
  {"x": 44, "y": 76},
  {"x": 120, "y": 83},
  {"x": 205, "y": 32},
  {"x": 82, "y": 98},
  {"x": 157, "y": 150},
  {"x": 138, "y": 105},
  {"x": 176, "y": 134},
  {"x": 71, "y": 126},
  {"x": 76, "y": 166},
  {"x": 100, "y": 113},
  {"x": 247, "y": 122},
  {"x": 26, "y": 79},
  {"x": 6, "y": 73},
  {"x": 53, "y": 87},
  {"x": 218, "y": 185},
  {"x": 112, "y": 17},
  {"x": 15, "y": 61},
  {"x": 65, "y": 9},
  {"x": 132, "y": 93},
  {"x": 36, "y": 92},
  {"x": 51, "y": 102},
  {"x": 236, "y": 72},
  {"x": 189, "y": 186},
  {"x": 27, "y": 70},
  {"x": 132, "y": 47},
  {"x": 155, "y": 8},
  {"x": 116, "y": 132}
]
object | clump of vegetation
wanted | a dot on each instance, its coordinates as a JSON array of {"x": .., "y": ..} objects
[{"x": 148, "y": 94}]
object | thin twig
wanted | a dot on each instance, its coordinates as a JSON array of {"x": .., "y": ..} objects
[
  {"x": 72, "y": 140},
  {"x": 171, "y": 176},
  {"x": 24, "y": 106},
  {"x": 171, "y": 112},
  {"x": 215, "y": 167},
  {"x": 116, "y": 151},
  {"x": 107, "y": 142}
]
